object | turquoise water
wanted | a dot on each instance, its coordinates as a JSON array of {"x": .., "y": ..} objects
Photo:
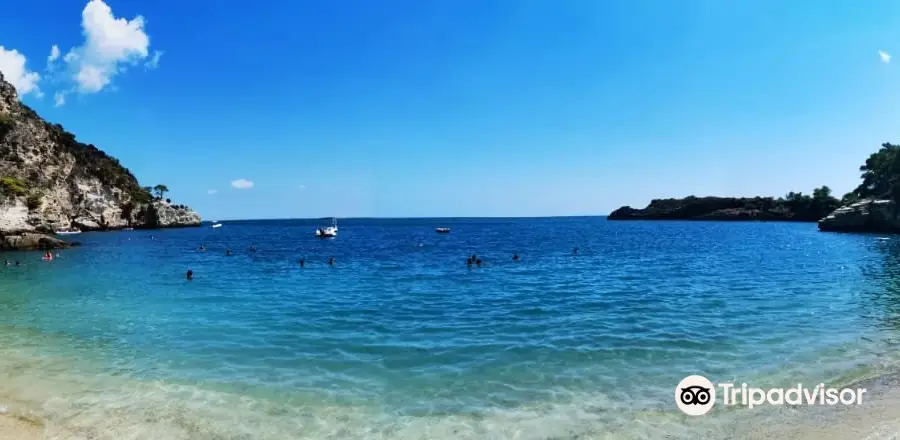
[{"x": 400, "y": 339}]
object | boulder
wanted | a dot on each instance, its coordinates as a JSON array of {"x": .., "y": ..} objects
[{"x": 30, "y": 241}]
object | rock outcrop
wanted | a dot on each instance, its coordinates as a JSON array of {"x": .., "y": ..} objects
[
  {"x": 163, "y": 215},
  {"x": 49, "y": 180},
  {"x": 871, "y": 215},
  {"x": 729, "y": 209},
  {"x": 28, "y": 240}
]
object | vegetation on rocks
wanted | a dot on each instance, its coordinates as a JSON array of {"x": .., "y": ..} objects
[
  {"x": 794, "y": 206},
  {"x": 880, "y": 175},
  {"x": 12, "y": 187}
]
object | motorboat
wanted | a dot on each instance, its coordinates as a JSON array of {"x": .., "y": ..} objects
[
  {"x": 217, "y": 225},
  {"x": 67, "y": 231},
  {"x": 442, "y": 230},
  {"x": 328, "y": 231}
]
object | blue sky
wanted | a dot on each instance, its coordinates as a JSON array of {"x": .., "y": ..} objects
[{"x": 464, "y": 108}]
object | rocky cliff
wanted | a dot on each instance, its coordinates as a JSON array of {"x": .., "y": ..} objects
[
  {"x": 49, "y": 180},
  {"x": 870, "y": 215}
]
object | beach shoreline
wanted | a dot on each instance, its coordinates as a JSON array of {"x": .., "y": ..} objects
[{"x": 878, "y": 418}]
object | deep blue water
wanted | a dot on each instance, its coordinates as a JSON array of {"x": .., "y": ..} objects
[{"x": 400, "y": 339}]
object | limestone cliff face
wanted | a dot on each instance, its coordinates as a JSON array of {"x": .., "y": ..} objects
[{"x": 48, "y": 180}]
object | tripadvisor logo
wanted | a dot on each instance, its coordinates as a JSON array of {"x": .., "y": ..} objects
[{"x": 695, "y": 395}]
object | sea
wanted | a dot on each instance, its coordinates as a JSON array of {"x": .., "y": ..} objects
[{"x": 584, "y": 336}]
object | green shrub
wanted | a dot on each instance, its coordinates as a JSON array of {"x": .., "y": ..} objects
[
  {"x": 11, "y": 186},
  {"x": 6, "y": 125},
  {"x": 33, "y": 201}
]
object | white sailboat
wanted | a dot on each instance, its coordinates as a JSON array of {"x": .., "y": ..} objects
[{"x": 328, "y": 231}]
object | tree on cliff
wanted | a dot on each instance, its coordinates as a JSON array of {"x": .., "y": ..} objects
[
  {"x": 881, "y": 174},
  {"x": 160, "y": 190}
]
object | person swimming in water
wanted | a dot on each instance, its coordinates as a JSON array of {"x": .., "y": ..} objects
[
  {"x": 331, "y": 261},
  {"x": 189, "y": 275},
  {"x": 575, "y": 251},
  {"x": 478, "y": 262},
  {"x": 516, "y": 257},
  {"x": 6, "y": 262},
  {"x": 251, "y": 249},
  {"x": 17, "y": 262},
  {"x": 227, "y": 252},
  {"x": 48, "y": 256},
  {"x": 202, "y": 247},
  {"x": 469, "y": 261},
  {"x": 302, "y": 262}
]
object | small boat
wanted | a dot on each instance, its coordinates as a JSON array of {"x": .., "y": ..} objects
[
  {"x": 328, "y": 231},
  {"x": 442, "y": 230},
  {"x": 217, "y": 225},
  {"x": 67, "y": 231}
]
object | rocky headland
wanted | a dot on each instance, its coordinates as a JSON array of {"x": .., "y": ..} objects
[
  {"x": 795, "y": 207},
  {"x": 50, "y": 181}
]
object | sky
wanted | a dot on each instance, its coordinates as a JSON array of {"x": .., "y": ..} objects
[{"x": 419, "y": 108}]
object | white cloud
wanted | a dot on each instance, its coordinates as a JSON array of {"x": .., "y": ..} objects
[
  {"x": 59, "y": 99},
  {"x": 12, "y": 64},
  {"x": 212, "y": 191},
  {"x": 111, "y": 44},
  {"x": 885, "y": 57},
  {"x": 54, "y": 54},
  {"x": 241, "y": 184},
  {"x": 154, "y": 60}
]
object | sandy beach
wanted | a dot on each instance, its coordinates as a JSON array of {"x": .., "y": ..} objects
[
  {"x": 876, "y": 419},
  {"x": 17, "y": 428}
]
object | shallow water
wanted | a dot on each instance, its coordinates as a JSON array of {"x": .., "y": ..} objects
[{"x": 400, "y": 339}]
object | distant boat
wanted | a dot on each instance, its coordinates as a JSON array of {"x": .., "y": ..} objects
[
  {"x": 68, "y": 231},
  {"x": 328, "y": 231},
  {"x": 442, "y": 230},
  {"x": 217, "y": 225}
]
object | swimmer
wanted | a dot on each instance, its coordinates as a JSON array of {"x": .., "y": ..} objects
[
  {"x": 227, "y": 252},
  {"x": 516, "y": 257},
  {"x": 302, "y": 262},
  {"x": 202, "y": 248},
  {"x": 478, "y": 262},
  {"x": 17, "y": 262},
  {"x": 251, "y": 249},
  {"x": 48, "y": 256},
  {"x": 190, "y": 275},
  {"x": 575, "y": 251},
  {"x": 6, "y": 262},
  {"x": 331, "y": 261},
  {"x": 469, "y": 261}
]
